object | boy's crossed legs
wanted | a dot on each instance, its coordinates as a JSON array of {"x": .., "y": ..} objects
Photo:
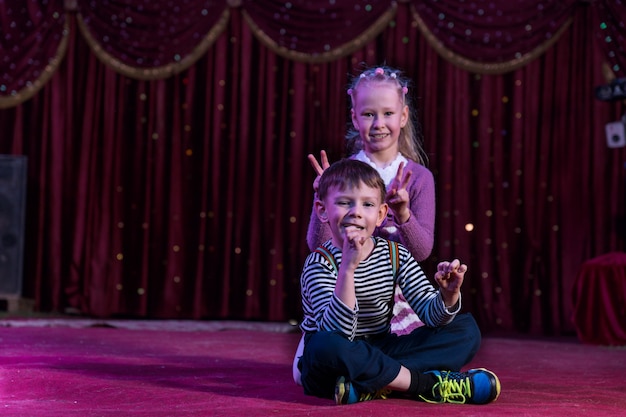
[{"x": 371, "y": 368}]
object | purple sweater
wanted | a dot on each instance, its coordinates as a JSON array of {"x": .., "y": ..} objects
[{"x": 417, "y": 234}]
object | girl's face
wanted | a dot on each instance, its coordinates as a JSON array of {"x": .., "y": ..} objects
[{"x": 379, "y": 115}]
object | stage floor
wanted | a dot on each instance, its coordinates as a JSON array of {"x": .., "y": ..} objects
[{"x": 79, "y": 367}]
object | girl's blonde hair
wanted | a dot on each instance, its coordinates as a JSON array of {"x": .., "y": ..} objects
[{"x": 410, "y": 140}]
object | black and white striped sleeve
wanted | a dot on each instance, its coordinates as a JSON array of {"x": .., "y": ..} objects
[
  {"x": 421, "y": 295},
  {"x": 322, "y": 309}
]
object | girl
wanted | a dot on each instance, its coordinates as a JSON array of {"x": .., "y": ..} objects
[{"x": 384, "y": 134}]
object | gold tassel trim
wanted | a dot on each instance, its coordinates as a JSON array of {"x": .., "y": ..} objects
[
  {"x": 161, "y": 72},
  {"x": 482, "y": 67},
  {"x": 33, "y": 87},
  {"x": 334, "y": 54}
]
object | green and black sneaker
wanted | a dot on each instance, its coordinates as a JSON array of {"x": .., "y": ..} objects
[{"x": 476, "y": 386}]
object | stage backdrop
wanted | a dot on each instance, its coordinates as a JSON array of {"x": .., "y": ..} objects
[{"x": 167, "y": 142}]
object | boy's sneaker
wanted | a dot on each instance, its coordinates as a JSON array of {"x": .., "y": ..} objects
[
  {"x": 476, "y": 386},
  {"x": 346, "y": 394}
]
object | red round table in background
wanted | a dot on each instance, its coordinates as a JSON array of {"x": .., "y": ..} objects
[{"x": 599, "y": 298}]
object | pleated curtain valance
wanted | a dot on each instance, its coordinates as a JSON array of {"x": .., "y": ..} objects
[{"x": 158, "y": 38}]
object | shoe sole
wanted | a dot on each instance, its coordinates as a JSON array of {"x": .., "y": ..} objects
[{"x": 497, "y": 383}]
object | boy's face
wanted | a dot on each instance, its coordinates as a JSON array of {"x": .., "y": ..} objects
[{"x": 358, "y": 210}]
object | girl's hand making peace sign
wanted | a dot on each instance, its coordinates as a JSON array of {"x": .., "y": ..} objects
[
  {"x": 398, "y": 197},
  {"x": 319, "y": 169}
]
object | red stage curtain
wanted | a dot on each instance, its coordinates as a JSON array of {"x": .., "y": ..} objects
[{"x": 167, "y": 154}]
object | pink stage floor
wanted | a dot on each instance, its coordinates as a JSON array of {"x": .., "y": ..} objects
[{"x": 186, "y": 368}]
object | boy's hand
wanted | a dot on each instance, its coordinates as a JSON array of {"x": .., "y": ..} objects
[
  {"x": 450, "y": 277},
  {"x": 352, "y": 252},
  {"x": 319, "y": 168}
]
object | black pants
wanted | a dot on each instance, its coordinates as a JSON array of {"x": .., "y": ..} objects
[{"x": 372, "y": 363}]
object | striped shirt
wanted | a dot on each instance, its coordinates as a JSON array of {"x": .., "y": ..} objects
[{"x": 374, "y": 287}]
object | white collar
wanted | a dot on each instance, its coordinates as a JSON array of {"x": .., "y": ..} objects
[{"x": 389, "y": 172}]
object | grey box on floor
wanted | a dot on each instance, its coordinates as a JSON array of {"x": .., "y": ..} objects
[{"x": 12, "y": 219}]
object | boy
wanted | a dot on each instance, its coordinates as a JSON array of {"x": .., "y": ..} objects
[{"x": 347, "y": 286}]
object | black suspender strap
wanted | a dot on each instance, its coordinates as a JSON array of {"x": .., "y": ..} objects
[{"x": 394, "y": 255}]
